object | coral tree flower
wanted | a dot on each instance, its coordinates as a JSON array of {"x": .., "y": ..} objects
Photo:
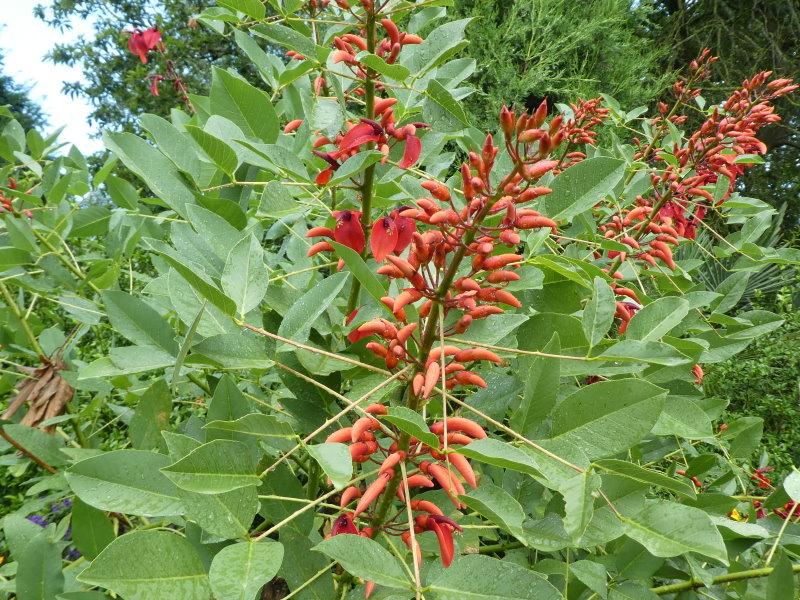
[
  {"x": 348, "y": 229},
  {"x": 391, "y": 234},
  {"x": 142, "y": 42}
]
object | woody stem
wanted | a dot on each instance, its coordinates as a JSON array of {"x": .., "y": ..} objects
[
  {"x": 429, "y": 337},
  {"x": 369, "y": 173}
]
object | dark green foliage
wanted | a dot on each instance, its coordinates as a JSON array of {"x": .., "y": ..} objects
[
  {"x": 764, "y": 381},
  {"x": 560, "y": 49}
]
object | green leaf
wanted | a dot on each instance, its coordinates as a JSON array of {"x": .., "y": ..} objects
[
  {"x": 498, "y": 506},
  {"x": 287, "y": 37},
  {"x": 394, "y": 71},
  {"x": 598, "y": 315},
  {"x": 477, "y": 577},
  {"x": 235, "y": 351},
  {"x": 780, "y": 583},
  {"x": 366, "y": 558},
  {"x": 792, "y": 485},
  {"x": 541, "y": 379},
  {"x": 412, "y": 423},
  {"x": 92, "y": 530},
  {"x": 126, "y": 481},
  {"x": 657, "y": 319},
  {"x": 500, "y": 454},
  {"x": 360, "y": 270},
  {"x": 264, "y": 428},
  {"x": 240, "y": 570},
  {"x": 44, "y": 445},
  {"x": 297, "y": 322},
  {"x": 439, "y": 45},
  {"x": 151, "y": 417},
  {"x": 650, "y": 352},
  {"x": 670, "y": 529},
  {"x": 632, "y": 471},
  {"x": 245, "y": 277},
  {"x": 252, "y": 8},
  {"x": 355, "y": 165},
  {"x": 138, "y": 321},
  {"x": 215, "y": 467},
  {"x": 220, "y": 153},
  {"x": 228, "y": 515},
  {"x": 732, "y": 288},
  {"x": 581, "y": 186},
  {"x": 579, "y": 494},
  {"x": 608, "y": 417},
  {"x": 247, "y": 106},
  {"x": 591, "y": 574},
  {"x": 152, "y": 167},
  {"x": 335, "y": 460},
  {"x": 276, "y": 202},
  {"x": 228, "y": 403},
  {"x": 199, "y": 282},
  {"x": 39, "y": 575},
  {"x": 212, "y": 230},
  {"x": 442, "y": 110},
  {"x": 143, "y": 565},
  {"x": 744, "y": 435}
]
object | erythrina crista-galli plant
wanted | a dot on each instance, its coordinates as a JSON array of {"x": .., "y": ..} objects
[{"x": 374, "y": 351}]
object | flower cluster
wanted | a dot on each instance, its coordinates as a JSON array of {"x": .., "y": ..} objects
[
  {"x": 383, "y": 134},
  {"x": 681, "y": 192},
  {"x": 143, "y": 41},
  {"x": 426, "y": 466},
  {"x": 7, "y": 204}
]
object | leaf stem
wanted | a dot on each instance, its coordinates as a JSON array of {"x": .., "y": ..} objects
[
  {"x": 692, "y": 584},
  {"x": 26, "y": 452},
  {"x": 367, "y": 187},
  {"x": 12, "y": 304}
]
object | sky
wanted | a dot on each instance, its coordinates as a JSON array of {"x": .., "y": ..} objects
[{"x": 25, "y": 41}]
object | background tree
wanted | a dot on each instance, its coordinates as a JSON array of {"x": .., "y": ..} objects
[
  {"x": 562, "y": 50},
  {"x": 16, "y": 96},
  {"x": 115, "y": 82}
]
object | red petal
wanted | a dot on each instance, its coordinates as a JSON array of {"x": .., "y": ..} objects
[
  {"x": 360, "y": 134},
  {"x": 411, "y": 152},
  {"x": 323, "y": 177},
  {"x": 445, "y": 538},
  {"x": 405, "y": 231},
  {"x": 383, "y": 238},
  {"x": 344, "y": 524},
  {"x": 151, "y": 38},
  {"x": 348, "y": 230},
  {"x": 352, "y": 316}
]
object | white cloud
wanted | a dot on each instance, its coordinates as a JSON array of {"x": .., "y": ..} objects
[{"x": 25, "y": 41}]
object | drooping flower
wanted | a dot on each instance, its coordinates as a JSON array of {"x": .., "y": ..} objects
[
  {"x": 383, "y": 238},
  {"x": 142, "y": 42},
  {"x": 344, "y": 524},
  {"x": 154, "y": 81},
  {"x": 391, "y": 234},
  {"x": 348, "y": 229}
]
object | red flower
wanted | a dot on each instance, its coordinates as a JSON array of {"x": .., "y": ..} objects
[
  {"x": 443, "y": 527},
  {"x": 154, "y": 81},
  {"x": 344, "y": 524},
  {"x": 391, "y": 234},
  {"x": 362, "y": 133},
  {"x": 383, "y": 238},
  {"x": 348, "y": 229},
  {"x": 141, "y": 42},
  {"x": 411, "y": 152}
]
